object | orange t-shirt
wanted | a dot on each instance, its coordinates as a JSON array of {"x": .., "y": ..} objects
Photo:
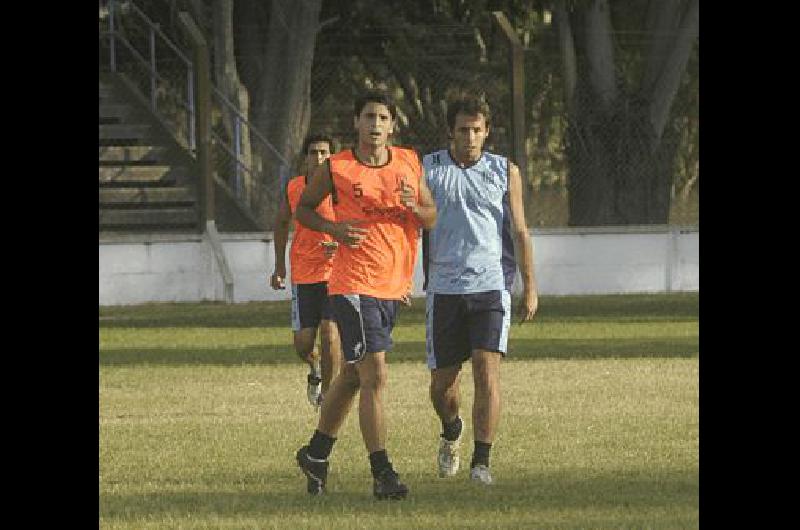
[
  {"x": 307, "y": 256},
  {"x": 383, "y": 265}
]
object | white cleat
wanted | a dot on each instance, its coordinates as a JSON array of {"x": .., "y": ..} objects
[
  {"x": 480, "y": 473},
  {"x": 448, "y": 457},
  {"x": 314, "y": 391}
]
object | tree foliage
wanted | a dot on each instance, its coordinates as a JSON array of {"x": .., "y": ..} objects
[
  {"x": 611, "y": 86},
  {"x": 621, "y": 143}
]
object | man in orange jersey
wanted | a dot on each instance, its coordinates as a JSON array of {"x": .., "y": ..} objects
[
  {"x": 311, "y": 268},
  {"x": 381, "y": 202}
]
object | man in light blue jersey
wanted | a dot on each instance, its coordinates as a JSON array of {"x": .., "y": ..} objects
[{"x": 470, "y": 265}]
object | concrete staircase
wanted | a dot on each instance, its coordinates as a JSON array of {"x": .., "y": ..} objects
[{"x": 144, "y": 187}]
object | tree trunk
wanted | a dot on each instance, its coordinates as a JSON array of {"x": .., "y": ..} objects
[
  {"x": 599, "y": 53},
  {"x": 251, "y": 19},
  {"x": 618, "y": 173},
  {"x": 567, "y": 45},
  {"x": 620, "y": 153},
  {"x": 284, "y": 111},
  {"x": 227, "y": 80},
  {"x": 666, "y": 86},
  {"x": 589, "y": 146}
]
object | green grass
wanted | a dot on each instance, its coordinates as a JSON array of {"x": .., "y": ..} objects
[{"x": 202, "y": 407}]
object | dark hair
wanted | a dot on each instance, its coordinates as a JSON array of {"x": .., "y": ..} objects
[
  {"x": 375, "y": 96},
  {"x": 470, "y": 105},
  {"x": 314, "y": 138}
]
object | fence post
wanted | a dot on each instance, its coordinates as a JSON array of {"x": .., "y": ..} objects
[
  {"x": 517, "y": 63},
  {"x": 237, "y": 149},
  {"x": 202, "y": 104},
  {"x": 191, "y": 110},
  {"x": 672, "y": 259},
  {"x": 153, "y": 68},
  {"x": 112, "y": 44}
]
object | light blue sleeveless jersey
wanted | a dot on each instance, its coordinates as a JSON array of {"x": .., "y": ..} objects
[{"x": 470, "y": 248}]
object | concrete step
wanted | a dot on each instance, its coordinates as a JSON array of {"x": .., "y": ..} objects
[
  {"x": 134, "y": 175},
  {"x": 146, "y": 196},
  {"x": 119, "y": 134},
  {"x": 105, "y": 91},
  {"x": 145, "y": 217},
  {"x": 131, "y": 154},
  {"x": 110, "y": 113}
]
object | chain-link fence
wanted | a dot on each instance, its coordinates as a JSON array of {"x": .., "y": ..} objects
[
  {"x": 585, "y": 167},
  {"x": 586, "y": 164},
  {"x": 420, "y": 69}
]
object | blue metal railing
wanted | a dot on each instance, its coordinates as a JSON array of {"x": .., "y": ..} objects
[{"x": 238, "y": 171}]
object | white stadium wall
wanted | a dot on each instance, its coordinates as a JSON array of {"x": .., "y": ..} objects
[
  {"x": 568, "y": 261},
  {"x": 595, "y": 262}
]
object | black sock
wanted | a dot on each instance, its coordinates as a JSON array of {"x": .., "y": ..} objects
[
  {"x": 451, "y": 431},
  {"x": 378, "y": 461},
  {"x": 481, "y": 454},
  {"x": 320, "y": 446}
]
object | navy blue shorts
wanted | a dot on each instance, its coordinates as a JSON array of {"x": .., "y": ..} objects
[
  {"x": 310, "y": 304},
  {"x": 457, "y": 324},
  {"x": 365, "y": 324}
]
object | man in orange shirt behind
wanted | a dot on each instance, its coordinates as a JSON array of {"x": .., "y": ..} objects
[
  {"x": 311, "y": 268},
  {"x": 381, "y": 201}
]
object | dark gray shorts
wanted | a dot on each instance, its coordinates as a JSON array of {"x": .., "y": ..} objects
[
  {"x": 310, "y": 304},
  {"x": 365, "y": 324},
  {"x": 457, "y": 324}
]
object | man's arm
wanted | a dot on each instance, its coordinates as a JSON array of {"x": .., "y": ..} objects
[
  {"x": 319, "y": 187},
  {"x": 425, "y": 208},
  {"x": 524, "y": 246},
  {"x": 282, "y": 220}
]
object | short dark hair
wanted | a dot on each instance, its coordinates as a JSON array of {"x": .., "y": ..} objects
[
  {"x": 314, "y": 138},
  {"x": 375, "y": 96},
  {"x": 468, "y": 104}
]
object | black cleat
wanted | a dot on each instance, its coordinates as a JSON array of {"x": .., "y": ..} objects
[
  {"x": 316, "y": 472},
  {"x": 388, "y": 485}
]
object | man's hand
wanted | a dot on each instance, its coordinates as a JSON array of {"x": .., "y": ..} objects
[
  {"x": 278, "y": 279},
  {"x": 329, "y": 247},
  {"x": 408, "y": 199},
  {"x": 406, "y": 299},
  {"x": 528, "y": 306},
  {"x": 348, "y": 233}
]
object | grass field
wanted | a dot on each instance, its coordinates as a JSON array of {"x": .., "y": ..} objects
[{"x": 202, "y": 407}]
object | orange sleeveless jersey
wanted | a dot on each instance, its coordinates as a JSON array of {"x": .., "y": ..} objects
[
  {"x": 307, "y": 256},
  {"x": 383, "y": 265}
]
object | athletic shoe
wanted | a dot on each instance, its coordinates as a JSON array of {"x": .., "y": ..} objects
[
  {"x": 314, "y": 390},
  {"x": 480, "y": 473},
  {"x": 388, "y": 485},
  {"x": 448, "y": 457},
  {"x": 315, "y": 472}
]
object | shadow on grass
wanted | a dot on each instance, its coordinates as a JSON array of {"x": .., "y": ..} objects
[
  {"x": 572, "y": 496},
  {"x": 617, "y": 308},
  {"x": 252, "y": 355},
  {"x": 602, "y": 348},
  {"x": 410, "y": 351},
  {"x": 207, "y": 315}
]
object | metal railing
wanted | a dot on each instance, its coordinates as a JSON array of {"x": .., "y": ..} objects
[
  {"x": 149, "y": 60},
  {"x": 156, "y": 67},
  {"x": 239, "y": 163}
]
